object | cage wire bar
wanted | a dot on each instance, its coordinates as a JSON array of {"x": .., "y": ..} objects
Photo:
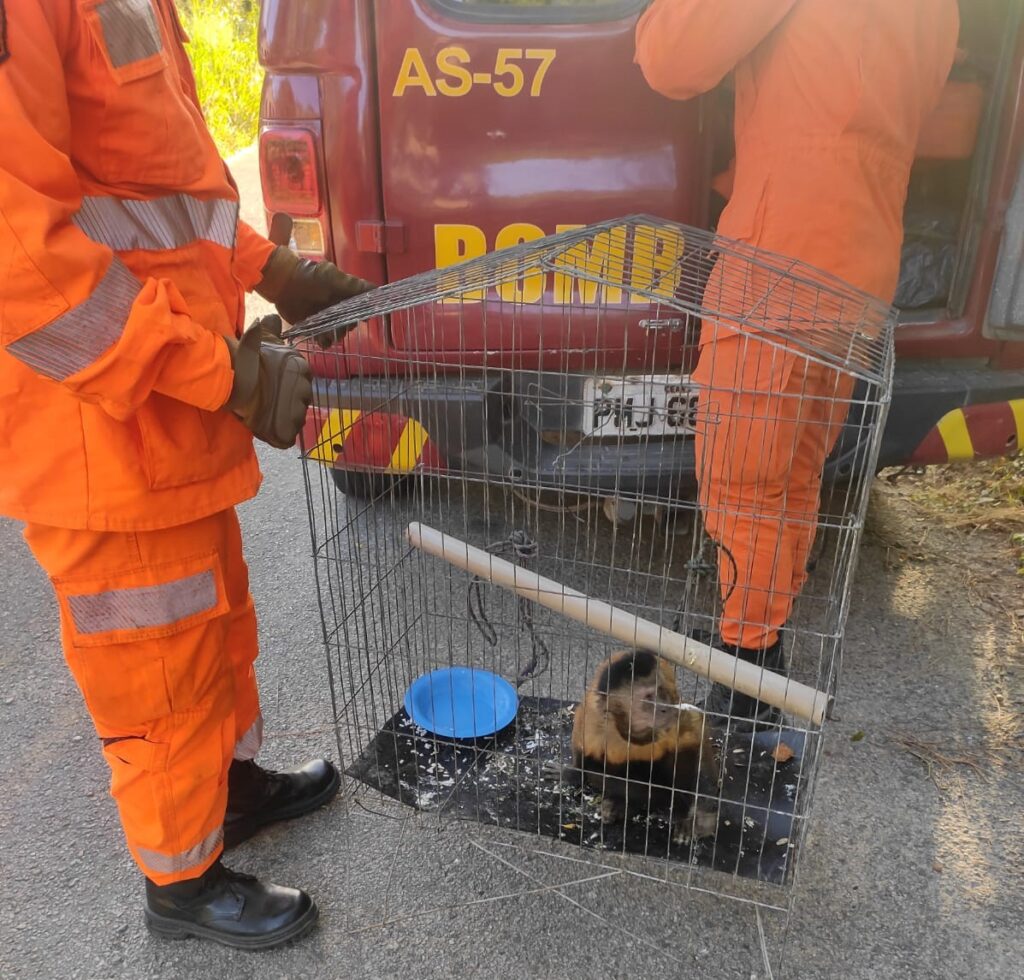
[{"x": 537, "y": 403}]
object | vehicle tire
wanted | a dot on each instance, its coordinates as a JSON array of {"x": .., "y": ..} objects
[{"x": 369, "y": 486}]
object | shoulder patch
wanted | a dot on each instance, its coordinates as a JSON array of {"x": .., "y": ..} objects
[{"x": 5, "y": 52}]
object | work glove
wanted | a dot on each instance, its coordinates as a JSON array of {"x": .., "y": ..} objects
[
  {"x": 273, "y": 386},
  {"x": 299, "y": 288}
]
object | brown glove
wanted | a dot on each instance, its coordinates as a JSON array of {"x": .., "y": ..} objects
[
  {"x": 273, "y": 385},
  {"x": 299, "y": 288}
]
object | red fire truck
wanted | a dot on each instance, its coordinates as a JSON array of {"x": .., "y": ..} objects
[{"x": 405, "y": 135}]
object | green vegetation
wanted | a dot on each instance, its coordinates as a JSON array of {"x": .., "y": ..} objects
[
  {"x": 975, "y": 496},
  {"x": 228, "y": 75}
]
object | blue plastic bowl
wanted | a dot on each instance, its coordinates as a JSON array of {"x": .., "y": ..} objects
[{"x": 461, "y": 702}]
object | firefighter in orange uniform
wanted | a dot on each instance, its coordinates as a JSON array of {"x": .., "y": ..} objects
[
  {"x": 129, "y": 397},
  {"x": 830, "y": 98}
]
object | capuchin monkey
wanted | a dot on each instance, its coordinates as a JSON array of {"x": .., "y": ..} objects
[{"x": 644, "y": 752}]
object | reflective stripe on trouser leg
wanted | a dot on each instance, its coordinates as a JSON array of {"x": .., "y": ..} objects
[
  {"x": 156, "y": 863},
  {"x": 249, "y": 744},
  {"x": 242, "y": 648},
  {"x": 137, "y": 608},
  {"x": 161, "y": 694}
]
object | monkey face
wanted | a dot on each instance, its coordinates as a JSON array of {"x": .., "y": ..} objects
[
  {"x": 635, "y": 691},
  {"x": 643, "y": 709}
]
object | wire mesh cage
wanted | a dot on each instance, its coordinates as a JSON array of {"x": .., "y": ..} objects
[{"x": 572, "y": 549}]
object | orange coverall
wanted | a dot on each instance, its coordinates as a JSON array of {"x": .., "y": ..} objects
[
  {"x": 830, "y": 98},
  {"x": 121, "y": 260}
]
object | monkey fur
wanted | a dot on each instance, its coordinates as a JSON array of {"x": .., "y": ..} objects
[{"x": 634, "y": 744}]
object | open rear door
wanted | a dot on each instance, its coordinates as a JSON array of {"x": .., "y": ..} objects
[{"x": 1006, "y": 310}]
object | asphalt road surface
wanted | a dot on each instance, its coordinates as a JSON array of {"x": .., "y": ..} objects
[{"x": 909, "y": 871}]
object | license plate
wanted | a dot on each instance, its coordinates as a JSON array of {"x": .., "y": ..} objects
[{"x": 644, "y": 405}]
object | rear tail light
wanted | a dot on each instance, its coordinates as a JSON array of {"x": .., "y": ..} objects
[{"x": 290, "y": 171}]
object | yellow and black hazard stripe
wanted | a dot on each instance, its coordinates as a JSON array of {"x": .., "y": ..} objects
[
  {"x": 388, "y": 443},
  {"x": 980, "y": 431},
  {"x": 330, "y": 434}
]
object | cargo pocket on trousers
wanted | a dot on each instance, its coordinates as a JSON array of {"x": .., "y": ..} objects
[
  {"x": 137, "y": 780},
  {"x": 118, "y": 628},
  {"x": 137, "y": 754}
]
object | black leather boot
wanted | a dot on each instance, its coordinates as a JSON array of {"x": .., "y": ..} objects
[
  {"x": 230, "y": 908},
  {"x": 257, "y": 797},
  {"x": 745, "y": 713}
]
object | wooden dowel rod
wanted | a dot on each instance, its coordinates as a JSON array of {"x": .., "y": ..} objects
[{"x": 707, "y": 661}]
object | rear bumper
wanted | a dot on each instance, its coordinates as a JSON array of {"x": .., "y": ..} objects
[
  {"x": 940, "y": 416},
  {"x": 524, "y": 428}
]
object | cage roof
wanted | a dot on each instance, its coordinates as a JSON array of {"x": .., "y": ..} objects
[{"x": 642, "y": 261}]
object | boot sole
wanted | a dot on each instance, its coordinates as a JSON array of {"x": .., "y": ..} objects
[
  {"x": 240, "y": 832},
  {"x": 165, "y": 928}
]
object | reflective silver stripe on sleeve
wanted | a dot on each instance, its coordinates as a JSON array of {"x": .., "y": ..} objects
[
  {"x": 145, "y": 606},
  {"x": 164, "y": 223},
  {"x": 169, "y": 864},
  {"x": 249, "y": 744},
  {"x": 130, "y": 30},
  {"x": 84, "y": 333}
]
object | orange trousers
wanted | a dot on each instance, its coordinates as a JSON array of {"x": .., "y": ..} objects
[
  {"x": 159, "y": 631},
  {"x": 767, "y": 421}
]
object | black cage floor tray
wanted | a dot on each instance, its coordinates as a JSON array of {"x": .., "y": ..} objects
[{"x": 499, "y": 781}]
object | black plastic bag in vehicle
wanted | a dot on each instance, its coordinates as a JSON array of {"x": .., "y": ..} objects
[{"x": 929, "y": 257}]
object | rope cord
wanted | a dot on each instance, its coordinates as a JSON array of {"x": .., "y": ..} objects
[{"x": 520, "y": 545}]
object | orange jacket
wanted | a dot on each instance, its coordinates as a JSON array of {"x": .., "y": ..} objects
[
  {"x": 121, "y": 259},
  {"x": 830, "y": 97}
]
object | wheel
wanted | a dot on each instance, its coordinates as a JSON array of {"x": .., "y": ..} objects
[{"x": 369, "y": 486}]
